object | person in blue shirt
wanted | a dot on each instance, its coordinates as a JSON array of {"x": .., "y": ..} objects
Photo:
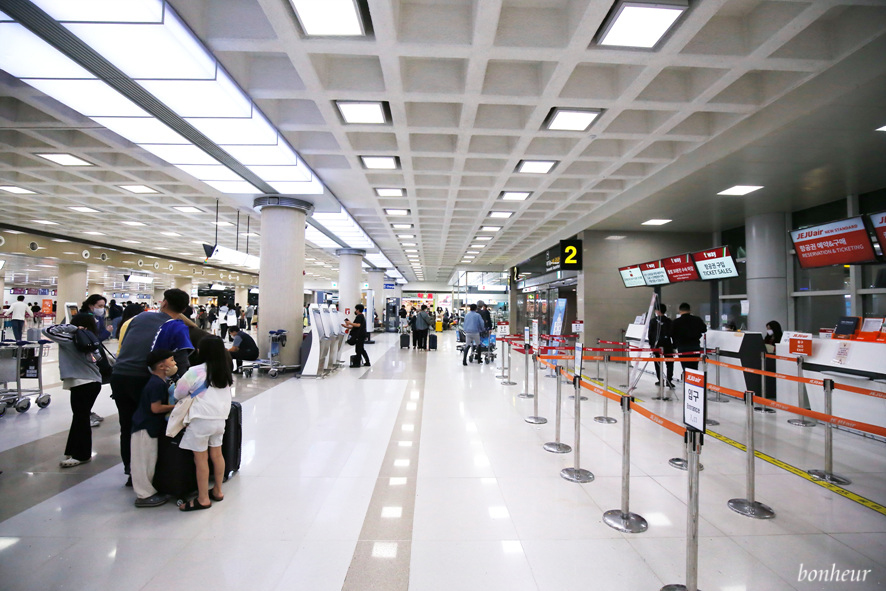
[{"x": 473, "y": 325}]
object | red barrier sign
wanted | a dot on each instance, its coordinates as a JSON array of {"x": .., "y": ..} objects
[
  {"x": 837, "y": 243},
  {"x": 680, "y": 268},
  {"x": 801, "y": 346}
]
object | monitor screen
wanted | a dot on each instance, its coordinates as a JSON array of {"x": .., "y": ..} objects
[
  {"x": 680, "y": 268},
  {"x": 837, "y": 243},
  {"x": 632, "y": 276},
  {"x": 715, "y": 263},
  {"x": 654, "y": 273},
  {"x": 878, "y": 221}
]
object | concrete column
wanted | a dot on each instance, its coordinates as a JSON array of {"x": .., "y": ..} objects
[
  {"x": 92, "y": 288},
  {"x": 377, "y": 285},
  {"x": 241, "y": 296},
  {"x": 3, "y": 297},
  {"x": 350, "y": 270},
  {"x": 183, "y": 283},
  {"x": 158, "y": 295},
  {"x": 71, "y": 287},
  {"x": 766, "y": 243},
  {"x": 512, "y": 307},
  {"x": 281, "y": 274}
]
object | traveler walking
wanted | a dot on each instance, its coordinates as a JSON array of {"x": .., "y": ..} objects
[
  {"x": 686, "y": 331},
  {"x": 473, "y": 326}
]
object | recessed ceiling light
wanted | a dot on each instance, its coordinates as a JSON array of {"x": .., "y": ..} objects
[
  {"x": 45, "y": 222},
  {"x": 501, "y": 214},
  {"x": 370, "y": 112},
  {"x": 740, "y": 190},
  {"x": 389, "y": 192},
  {"x": 515, "y": 195},
  {"x": 656, "y": 222},
  {"x": 60, "y": 240},
  {"x": 615, "y": 237},
  {"x": 170, "y": 233},
  {"x": 490, "y": 228},
  {"x": 402, "y": 226},
  {"x": 881, "y": 128},
  {"x": 133, "y": 223},
  {"x": 483, "y": 238},
  {"x": 536, "y": 166},
  {"x": 138, "y": 189},
  {"x": 17, "y": 190},
  {"x": 187, "y": 209},
  {"x": 406, "y": 236},
  {"x": 65, "y": 159},
  {"x": 185, "y": 254},
  {"x": 82, "y": 209},
  {"x": 380, "y": 162},
  {"x": 329, "y": 18},
  {"x": 562, "y": 119},
  {"x": 478, "y": 246},
  {"x": 222, "y": 224},
  {"x": 94, "y": 233},
  {"x": 409, "y": 244},
  {"x": 248, "y": 234},
  {"x": 397, "y": 211},
  {"x": 640, "y": 24}
]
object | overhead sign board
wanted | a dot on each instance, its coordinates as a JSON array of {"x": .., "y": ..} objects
[
  {"x": 680, "y": 268},
  {"x": 654, "y": 273},
  {"x": 878, "y": 221},
  {"x": 694, "y": 399},
  {"x": 715, "y": 263},
  {"x": 632, "y": 276},
  {"x": 837, "y": 243},
  {"x": 570, "y": 255}
]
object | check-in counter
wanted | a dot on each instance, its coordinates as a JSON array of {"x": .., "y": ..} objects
[{"x": 318, "y": 350}]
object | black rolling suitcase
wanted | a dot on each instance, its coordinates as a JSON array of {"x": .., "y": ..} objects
[
  {"x": 432, "y": 342},
  {"x": 232, "y": 442},
  {"x": 355, "y": 361},
  {"x": 404, "y": 341},
  {"x": 175, "y": 474}
]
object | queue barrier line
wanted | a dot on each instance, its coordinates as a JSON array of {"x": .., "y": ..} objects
[
  {"x": 830, "y": 419},
  {"x": 727, "y": 391},
  {"x": 659, "y": 420},
  {"x": 656, "y": 359},
  {"x": 836, "y": 489},
  {"x": 857, "y": 390},
  {"x": 781, "y": 357},
  {"x": 570, "y": 357}
]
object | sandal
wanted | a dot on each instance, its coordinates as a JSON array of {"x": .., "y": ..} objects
[
  {"x": 71, "y": 462},
  {"x": 213, "y": 496},
  {"x": 194, "y": 505}
]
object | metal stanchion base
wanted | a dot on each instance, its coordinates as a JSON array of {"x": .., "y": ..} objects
[
  {"x": 577, "y": 475},
  {"x": 676, "y": 587},
  {"x": 606, "y": 420},
  {"x": 752, "y": 509},
  {"x": 572, "y": 397},
  {"x": 525, "y": 395},
  {"x": 622, "y": 385},
  {"x": 629, "y": 523},
  {"x": 509, "y": 383},
  {"x": 717, "y": 398},
  {"x": 682, "y": 464},
  {"x": 553, "y": 375},
  {"x": 764, "y": 410},
  {"x": 711, "y": 422},
  {"x": 536, "y": 420},
  {"x": 802, "y": 422},
  {"x": 829, "y": 477},
  {"x": 557, "y": 448},
  {"x": 501, "y": 377},
  {"x": 665, "y": 398}
]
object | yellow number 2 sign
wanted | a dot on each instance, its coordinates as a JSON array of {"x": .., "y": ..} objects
[{"x": 570, "y": 255}]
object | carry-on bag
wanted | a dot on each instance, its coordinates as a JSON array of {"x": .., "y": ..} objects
[
  {"x": 432, "y": 342},
  {"x": 34, "y": 334},
  {"x": 175, "y": 474},
  {"x": 355, "y": 360},
  {"x": 232, "y": 442},
  {"x": 404, "y": 341}
]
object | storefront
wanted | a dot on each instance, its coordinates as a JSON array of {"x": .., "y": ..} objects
[{"x": 546, "y": 293}]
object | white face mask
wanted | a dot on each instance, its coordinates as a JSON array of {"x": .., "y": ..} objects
[
  {"x": 99, "y": 312},
  {"x": 769, "y": 331}
]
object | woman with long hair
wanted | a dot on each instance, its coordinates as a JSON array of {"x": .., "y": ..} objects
[
  {"x": 95, "y": 305},
  {"x": 210, "y": 385}
]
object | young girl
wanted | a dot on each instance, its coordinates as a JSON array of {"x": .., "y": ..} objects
[{"x": 208, "y": 413}]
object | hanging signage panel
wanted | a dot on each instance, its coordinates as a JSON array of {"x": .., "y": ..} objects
[
  {"x": 838, "y": 243},
  {"x": 632, "y": 276},
  {"x": 878, "y": 220},
  {"x": 654, "y": 273},
  {"x": 680, "y": 268},
  {"x": 715, "y": 263},
  {"x": 570, "y": 255}
]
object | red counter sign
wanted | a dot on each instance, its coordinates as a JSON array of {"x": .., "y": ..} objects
[
  {"x": 837, "y": 243},
  {"x": 879, "y": 222},
  {"x": 654, "y": 273},
  {"x": 632, "y": 276},
  {"x": 680, "y": 268},
  {"x": 715, "y": 263}
]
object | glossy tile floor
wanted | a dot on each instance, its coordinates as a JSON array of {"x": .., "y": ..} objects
[{"x": 420, "y": 473}]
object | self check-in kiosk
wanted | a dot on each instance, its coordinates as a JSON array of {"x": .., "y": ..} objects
[
  {"x": 338, "y": 321},
  {"x": 318, "y": 351},
  {"x": 333, "y": 334}
]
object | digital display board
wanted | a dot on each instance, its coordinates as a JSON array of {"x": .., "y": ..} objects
[
  {"x": 837, "y": 243},
  {"x": 878, "y": 221},
  {"x": 654, "y": 273},
  {"x": 680, "y": 268},
  {"x": 632, "y": 276},
  {"x": 715, "y": 263}
]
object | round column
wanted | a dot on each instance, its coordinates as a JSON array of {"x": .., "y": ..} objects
[
  {"x": 350, "y": 269},
  {"x": 766, "y": 244},
  {"x": 281, "y": 272},
  {"x": 512, "y": 308},
  {"x": 3, "y": 298},
  {"x": 241, "y": 296},
  {"x": 158, "y": 295},
  {"x": 71, "y": 287},
  {"x": 183, "y": 283},
  {"x": 92, "y": 288},
  {"x": 377, "y": 285}
]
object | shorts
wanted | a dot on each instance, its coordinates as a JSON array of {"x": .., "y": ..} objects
[
  {"x": 203, "y": 433},
  {"x": 473, "y": 338}
]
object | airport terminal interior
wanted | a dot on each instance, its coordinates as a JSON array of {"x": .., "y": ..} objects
[{"x": 592, "y": 176}]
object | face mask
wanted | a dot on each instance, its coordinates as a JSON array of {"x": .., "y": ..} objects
[
  {"x": 171, "y": 369},
  {"x": 98, "y": 312},
  {"x": 769, "y": 331}
]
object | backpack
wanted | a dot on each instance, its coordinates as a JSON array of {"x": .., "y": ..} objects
[{"x": 86, "y": 341}]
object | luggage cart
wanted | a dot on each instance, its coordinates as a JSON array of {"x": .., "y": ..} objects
[
  {"x": 19, "y": 361},
  {"x": 484, "y": 352},
  {"x": 276, "y": 341}
]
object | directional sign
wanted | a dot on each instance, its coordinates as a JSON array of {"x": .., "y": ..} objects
[{"x": 694, "y": 399}]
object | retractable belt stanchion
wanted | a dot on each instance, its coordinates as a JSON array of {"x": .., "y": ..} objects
[
  {"x": 622, "y": 519},
  {"x": 604, "y": 418},
  {"x": 501, "y": 366},
  {"x": 535, "y": 419},
  {"x": 577, "y": 473},
  {"x": 749, "y": 506},
  {"x": 694, "y": 440},
  {"x": 763, "y": 409},
  {"x": 719, "y": 397},
  {"x": 662, "y": 378},
  {"x": 801, "y": 421},
  {"x": 828, "y": 473},
  {"x": 556, "y": 446},
  {"x": 525, "y": 393},
  {"x": 507, "y": 379}
]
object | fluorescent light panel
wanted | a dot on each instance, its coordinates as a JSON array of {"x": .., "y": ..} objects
[
  {"x": 656, "y": 222},
  {"x": 501, "y": 214},
  {"x": 82, "y": 209},
  {"x": 389, "y": 192},
  {"x": 740, "y": 190},
  {"x": 17, "y": 190},
  {"x": 137, "y": 189},
  {"x": 490, "y": 228},
  {"x": 563, "y": 119},
  {"x": 65, "y": 159},
  {"x": 515, "y": 195},
  {"x": 397, "y": 211},
  {"x": 369, "y": 112},
  {"x": 329, "y": 18},
  {"x": 187, "y": 209},
  {"x": 640, "y": 24},
  {"x": 380, "y": 162},
  {"x": 536, "y": 166}
]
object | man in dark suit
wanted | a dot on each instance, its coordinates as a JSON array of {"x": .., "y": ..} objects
[
  {"x": 660, "y": 338},
  {"x": 686, "y": 331}
]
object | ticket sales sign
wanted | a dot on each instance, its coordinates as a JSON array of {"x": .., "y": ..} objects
[
  {"x": 715, "y": 263},
  {"x": 837, "y": 243},
  {"x": 654, "y": 273},
  {"x": 680, "y": 268},
  {"x": 694, "y": 399}
]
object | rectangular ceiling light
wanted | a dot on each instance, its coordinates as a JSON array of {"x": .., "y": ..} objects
[
  {"x": 478, "y": 246},
  {"x": 370, "y": 112},
  {"x": 45, "y": 222},
  {"x": 640, "y": 24},
  {"x": 380, "y": 162},
  {"x": 740, "y": 190},
  {"x": 656, "y": 222},
  {"x": 881, "y": 128},
  {"x": 406, "y": 236},
  {"x": 483, "y": 238},
  {"x": 17, "y": 190},
  {"x": 397, "y": 211},
  {"x": 490, "y": 228},
  {"x": 137, "y": 189},
  {"x": 389, "y": 192},
  {"x": 95, "y": 233},
  {"x": 515, "y": 195},
  {"x": 133, "y": 223},
  {"x": 329, "y": 18},
  {"x": 615, "y": 237},
  {"x": 170, "y": 233},
  {"x": 65, "y": 159},
  {"x": 501, "y": 214},
  {"x": 187, "y": 209},
  {"x": 536, "y": 166},
  {"x": 83, "y": 209},
  {"x": 402, "y": 226},
  {"x": 562, "y": 119}
]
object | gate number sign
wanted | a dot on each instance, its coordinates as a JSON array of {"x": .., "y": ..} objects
[{"x": 570, "y": 255}]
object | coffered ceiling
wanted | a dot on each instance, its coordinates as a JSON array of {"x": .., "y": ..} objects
[{"x": 469, "y": 86}]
